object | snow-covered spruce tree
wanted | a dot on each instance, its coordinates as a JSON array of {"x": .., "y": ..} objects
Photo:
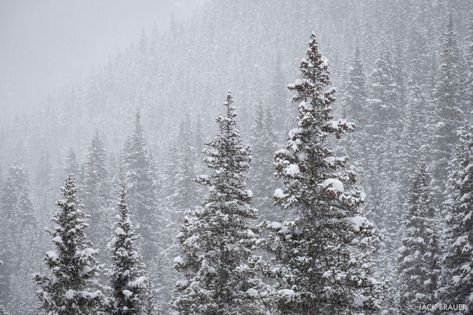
[
  {"x": 383, "y": 127},
  {"x": 96, "y": 189},
  {"x": 15, "y": 183},
  {"x": 16, "y": 215},
  {"x": 318, "y": 254},
  {"x": 448, "y": 108},
  {"x": 415, "y": 122},
  {"x": 468, "y": 95},
  {"x": 185, "y": 193},
  {"x": 71, "y": 288},
  {"x": 217, "y": 261},
  {"x": 261, "y": 176},
  {"x": 179, "y": 195},
  {"x": 384, "y": 159},
  {"x": 354, "y": 106},
  {"x": 419, "y": 251},
  {"x": 25, "y": 255},
  {"x": 128, "y": 278},
  {"x": 457, "y": 279},
  {"x": 142, "y": 190}
]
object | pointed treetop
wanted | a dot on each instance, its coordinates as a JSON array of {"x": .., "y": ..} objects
[
  {"x": 230, "y": 114},
  {"x": 139, "y": 130},
  {"x": 450, "y": 34},
  {"x": 229, "y": 99},
  {"x": 69, "y": 188},
  {"x": 314, "y": 74},
  {"x": 450, "y": 24},
  {"x": 122, "y": 193},
  {"x": 138, "y": 119},
  {"x": 357, "y": 58}
]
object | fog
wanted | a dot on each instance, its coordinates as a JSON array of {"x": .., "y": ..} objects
[{"x": 48, "y": 44}]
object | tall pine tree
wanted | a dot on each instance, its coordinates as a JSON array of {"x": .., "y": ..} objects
[
  {"x": 16, "y": 216},
  {"x": 261, "y": 176},
  {"x": 457, "y": 277},
  {"x": 354, "y": 106},
  {"x": 128, "y": 281},
  {"x": 318, "y": 261},
  {"x": 96, "y": 190},
  {"x": 448, "y": 107},
  {"x": 383, "y": 164},
  {"x": 419, "y": 250},
  {"x": 142, "y": 187},
  {"x": 468, "y": 84},
  {"x": 71, "y": 288},
  {"x": 217, "y": 260}
]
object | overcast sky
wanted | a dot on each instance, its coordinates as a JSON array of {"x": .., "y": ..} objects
[{"x": 44, "y": 44}]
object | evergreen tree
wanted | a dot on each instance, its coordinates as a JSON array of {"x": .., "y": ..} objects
[
  {"x": 261, "y": 172},
  {"x": 16, "y": 181},
  {"x": 96, "y": 189},
  {"x": 180, "y": 195},
  {"x": 415, "y": 123},
  {"x": 142, "y": 190},
  {"x": 217, "y": 263},
  {"x": 469, "y": 69},
  {"x": 354, "y": 106},
  {"x": 318, "y": 253},
  {"x": 418, "y": 282},
  {"x": 185, "y": 192},
  {"x": 128, "y": 278},
  {"x": 448, "y": 108},
  {"x": 457, "y": 283},
  {"x": 71, "y": 287},
  {"x": 355, "y": 92},
  {"x": 27, "y": 257},
  {"x": 384, "y": 161},
  {"x": 16, "y": 216}
]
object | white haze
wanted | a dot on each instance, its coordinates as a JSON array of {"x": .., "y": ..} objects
[{"x": 48, "y": 44}]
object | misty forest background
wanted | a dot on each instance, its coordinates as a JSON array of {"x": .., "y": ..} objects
[{"x": 402, "y": 70}]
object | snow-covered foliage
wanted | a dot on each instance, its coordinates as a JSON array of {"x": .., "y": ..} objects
[
  {"x": 17, "y": 249},
  {"x": 95, "y": 190},
  {"x": 217, "y": 263},
  {"x": 457, "y": 280},
  {"x": 261, "y": 179},
  {"x": 448, "y": 111},
  {"x": 142, "y": 188},
  {"x": 128, "y": 278},
  {"x": 383, "y": 159},
  {"x": 71, "y": 286},
  {"x": 354, "y": 106},
  {"x": 318, "y": 265},
  {"x": 419, "y": 268}
]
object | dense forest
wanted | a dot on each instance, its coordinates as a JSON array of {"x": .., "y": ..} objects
[{"x": 336, "y": 179}]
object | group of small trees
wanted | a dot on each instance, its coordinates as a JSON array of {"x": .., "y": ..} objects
[
  {"x": 436, "y": 255},
  {"x": 72, "y": 286},
  {"x": 411, "y": 107}
]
